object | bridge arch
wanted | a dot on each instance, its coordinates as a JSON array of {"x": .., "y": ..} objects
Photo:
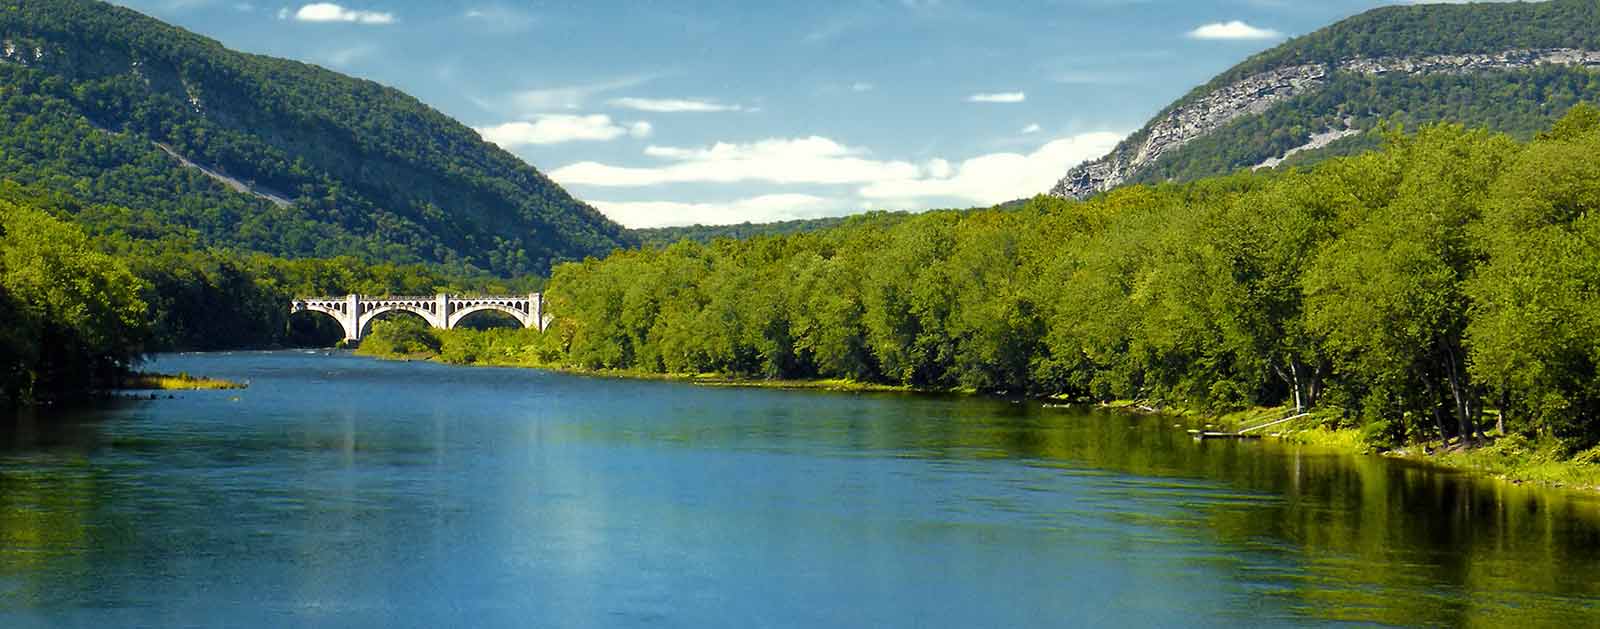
[
  {"x": 371, "y": 316},
  {"x": 331, "y": 309},
  {"x": 458, "y": 316},
  {"x": 338, "y": 317}
]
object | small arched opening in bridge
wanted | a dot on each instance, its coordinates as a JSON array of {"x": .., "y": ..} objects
[
  {"x": 314, "y": 328},
  {"x": 486, "y": 318}
]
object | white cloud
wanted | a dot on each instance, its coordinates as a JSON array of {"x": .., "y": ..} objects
[
  {"x": 1032, "y": 128},
  {"x": 813, "y": 160},
  {"x": 564, "y": 97},
  {"x": 672, "y": 105},
  {"x": 330, "y": 12},
  {"x": 560, "y": 128},
  {"x": 500, "y": 18},
  {"x": 998, "y": 97},
  {"x": 1233, "y": 30},
  {"x": 765, "y": 208},
  {"x": 861, "y": 86},
  {"x": 996, "y": 177}
]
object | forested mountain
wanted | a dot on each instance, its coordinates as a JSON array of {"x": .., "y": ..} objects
[
  {"x": 265, "y": 154},
  {"x": 1511, "y": 67}
]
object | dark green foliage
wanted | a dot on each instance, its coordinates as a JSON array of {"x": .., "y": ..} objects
[
  {"x": 208, "y": 299},
  {"x": 83, "y": 306},
  {"x": 400, "y": 336},
  {"x": 112, "y": 97},
  {"x": 73, "y": 318},
  {"x": 1404, "y": 291}
]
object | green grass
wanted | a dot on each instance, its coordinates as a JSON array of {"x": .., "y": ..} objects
[
  {"x": 1512, "y": 458},
  {"x": 1341, "y": 439},
  {"x": 180, "y": 382}
]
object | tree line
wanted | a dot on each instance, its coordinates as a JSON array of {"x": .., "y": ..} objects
[
  {"x": 85, "y": 301},
  {"x": 1413, "y": 289}
]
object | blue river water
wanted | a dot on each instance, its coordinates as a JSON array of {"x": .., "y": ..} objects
[{"x": 339, "y": 491}]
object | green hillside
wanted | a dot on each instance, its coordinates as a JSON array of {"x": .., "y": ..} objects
[
  {"x": 665, "y": 236},
  {"x": 1482, "y": 64},
  {"x": 115, "y": 107}
]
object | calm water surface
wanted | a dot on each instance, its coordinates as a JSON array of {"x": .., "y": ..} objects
[{"x": 341, "y": 491}]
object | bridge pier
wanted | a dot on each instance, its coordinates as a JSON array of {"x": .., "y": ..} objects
[
  {"x": 356, "y": 313},
  {"x": 352, "y": 319}
]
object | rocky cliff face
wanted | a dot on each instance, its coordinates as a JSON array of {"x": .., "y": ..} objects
[{"x": 1257, "y": 93}]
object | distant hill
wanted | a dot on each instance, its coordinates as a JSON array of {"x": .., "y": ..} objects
[
  {"x": 1513, "y": 67},
  {"x": 265, "y": 154},
  {"x": 663, "y": 236}
]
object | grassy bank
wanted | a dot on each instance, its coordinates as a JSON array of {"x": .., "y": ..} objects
[
  {"x": 1512, "y": 458},
  {"x": 179, "y": 382}
]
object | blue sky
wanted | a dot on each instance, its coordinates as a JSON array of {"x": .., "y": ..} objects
[{"x": 670, "y": 113}]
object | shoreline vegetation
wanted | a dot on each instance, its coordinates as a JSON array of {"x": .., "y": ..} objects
[
  {"x": 145, "y": 381},
  {"x": 1507, "y": 458}
]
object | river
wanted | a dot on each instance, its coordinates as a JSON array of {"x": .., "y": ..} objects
[{"x": 346, "y": 492}]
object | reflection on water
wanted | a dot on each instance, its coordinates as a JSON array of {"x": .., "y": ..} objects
[{"x": 345, "y": 492}]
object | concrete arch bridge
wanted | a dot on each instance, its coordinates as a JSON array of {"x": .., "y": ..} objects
[{"x": 355, "y": 313}]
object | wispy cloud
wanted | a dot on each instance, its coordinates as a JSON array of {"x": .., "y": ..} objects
[
  {"x": 809, "y": 160},
  {"x": 862, "y": 86},
  {"x": 330, "y": 12},
  {"x": 561, "y": 128},
  {"x": 764, "y": 208},
  {"x": 1233, "y": 30},
  {"x": 1032, "y": 128},
  {"x": 500, "y": 18},
  {"x": 996, "y": 177},
  {"x": 998, "y": 97},
  {"x": 546, "y": 99},
  {"x": 673, "y": 105}
]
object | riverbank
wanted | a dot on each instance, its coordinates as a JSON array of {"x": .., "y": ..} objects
[
  {"x": 179, "y": 382},
  {"x": 1510, "y": 458},
  {"x": 698, "y": 379},
  {"x": 721, "y": 380}
]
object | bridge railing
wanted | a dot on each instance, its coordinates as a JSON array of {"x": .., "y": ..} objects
[{"x": 410, "y": 297}]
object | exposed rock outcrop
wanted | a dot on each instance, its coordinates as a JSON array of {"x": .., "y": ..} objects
[
  {"x": 1318, "y": 140},
  {"x": 1257, "y": 93}
]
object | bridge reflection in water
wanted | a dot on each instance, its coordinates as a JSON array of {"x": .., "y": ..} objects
[{"x": 355, "y": 313}]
